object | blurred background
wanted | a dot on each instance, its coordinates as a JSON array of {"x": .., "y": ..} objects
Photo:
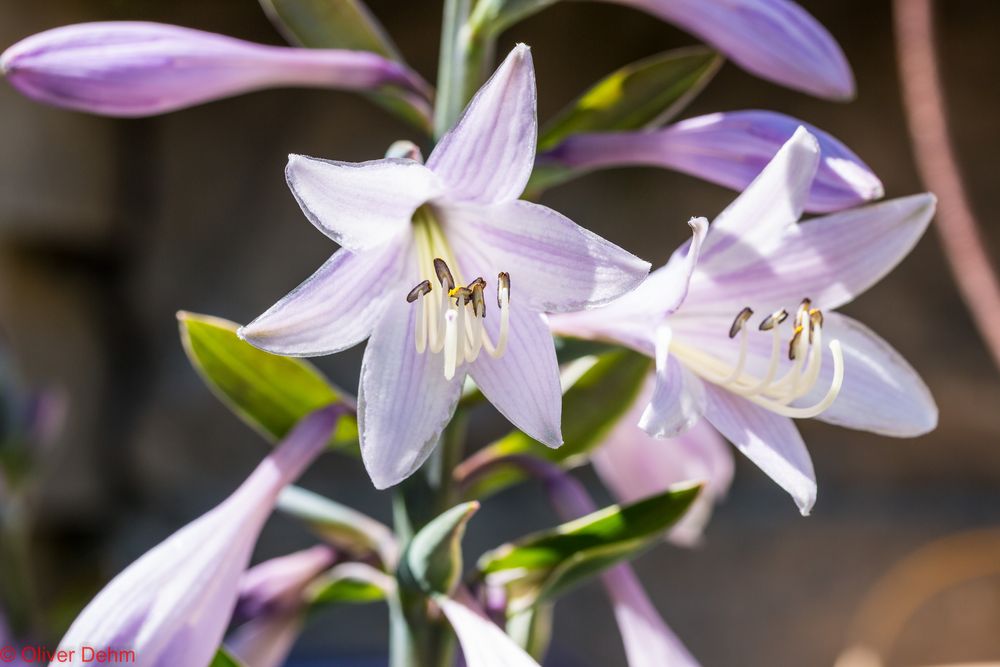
[{"x": 108, "y": 227}]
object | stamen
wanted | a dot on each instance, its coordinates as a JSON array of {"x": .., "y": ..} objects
[
  {"x": 773, "y": 320},
  {"x": 450, "y": 343},
  {"x": 420, "y": 290},
  {"x": 793, "y": 344},
  {"x": 478, "y": 299},
  {"x": 503, "y": 285},
  {"x": 741, "y": 319},
  {"x": 444, "y": 274}
]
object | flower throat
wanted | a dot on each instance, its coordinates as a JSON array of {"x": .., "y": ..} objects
[{"x": 452, "y": 315}]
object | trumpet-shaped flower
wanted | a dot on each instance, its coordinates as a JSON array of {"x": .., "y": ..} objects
[
  {"x": 634, "y": 465},
  {"x": 741, "y": 323},
  {"x": 729, "y": 149},
  {"x": 449, "y": 274},
  {"x": 171, "y": 607},
  {"x": 132, "y": 68},
  {"x": 774, "y": 39}
]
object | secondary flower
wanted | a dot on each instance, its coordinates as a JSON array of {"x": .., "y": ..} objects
[
  {"x": 172, "y": 605},
  {"x": 740, "y": 323},
  {"x": 774, "y": 39},
  {"x": 483, "y": 643},
  {"x": 132, "y": 68},
  {"x": 449, "y": 274},
  {"x": 634, "y": 465},
  {"x": 729, "y": 149}
]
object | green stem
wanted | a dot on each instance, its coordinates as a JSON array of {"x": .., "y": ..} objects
[{"x": 451, "y": 67}]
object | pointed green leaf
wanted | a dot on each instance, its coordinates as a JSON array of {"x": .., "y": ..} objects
[
  {"x": 494, "y": 16},
  {"x": 603, "y": 389},
  {"x": 544, "y": 565},
  {"x": 345, "y": 528},
  {"x": 269, "y": 392},
  {"x": 223, "y": 658},
  {"x": 643, "y": 94},
  {"x": 433, "y": 559},
  {"x": 330, "y": 24}
]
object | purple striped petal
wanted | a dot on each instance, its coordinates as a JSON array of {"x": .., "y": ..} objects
[
  {"x": 277, "y": 585},
  {"x": 881, "y": 392},
  {"x": 172, "y": 605},
  {"x": 483, "y": 643},
  {"x": 334, "y": 309},
  {"x": 360, "y": 204},
  {"x": 140, "y": 69},
  {"x": 523, "y": 384},
  {"x": 729, "y": 149},
  {"x": 648, "y": 641},
  {"x": 774, "y": 39},
  {"x": 771, "y": 441},
  {"x": 830, "y": 260},
  {"x": 554, "y": 264},
  {"x": 404, "y": 400},
  {"x": 678, "y": 400},
  {"x": 489, "y": 154}
]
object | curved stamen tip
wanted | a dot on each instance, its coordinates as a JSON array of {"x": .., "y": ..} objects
[
  {"x": 773, "y": 320},
  {"x": 478, "y": 300},
  {"x": 444, "y": 274},
  {"x": 503, "y": 287},
  {"x": 739, "y": 321},
  {"x": 420, "y": 290},
  {"x": 794, "y": 343}
]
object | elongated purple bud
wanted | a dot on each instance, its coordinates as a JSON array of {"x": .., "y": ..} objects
[
  {"x": 729, "y": 149},
  {"x": 172, "y": 606},
  {"x": 131, "y": 68}
]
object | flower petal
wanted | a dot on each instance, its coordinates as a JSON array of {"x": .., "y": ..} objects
[
  {"x": 881, "y": 392},
  {"x": 489, "y": 154},
  {"x": 648, "y": 641},
  {"x": 831, "y": 259},
  {"x": 678, "y": 400},
  {"x": 334, "y": 309},
  {"x": 523, "y": 384},
  {"x": 729, "y": 149},
  {"x": 483, "y": 643},
  {"x": 360, "y": 205},
  {"x": 554, "y": 264},
  {"x": 755, "y": 221},
  {"x": 774, "y": 39},
  {"x": 769, "y": 440},
  {"x": 404, "y": 400},
  {"x": 266, "y": 641}
]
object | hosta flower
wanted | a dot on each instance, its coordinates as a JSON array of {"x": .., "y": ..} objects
[
  {"x": 132, "y": 68},
  {"x": 741, "y": 323},
  {"x": 449, "y": 274},
  {"x": 729, "y": 149},
  {"x": 634, "y": 465},
  {"x": 483, "y": 643},
  {"x": 774, "y": 39},
  {"x": 171, "y": 607}
]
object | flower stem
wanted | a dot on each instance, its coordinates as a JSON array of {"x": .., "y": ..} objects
[
  {"x": 924, "y": 105},
  {"x": 452, "y": 65}
]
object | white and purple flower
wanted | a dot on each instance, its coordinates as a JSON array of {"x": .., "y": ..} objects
[
  {"x": 740, "y": 323},
  {"x": 449, "y": 274}
]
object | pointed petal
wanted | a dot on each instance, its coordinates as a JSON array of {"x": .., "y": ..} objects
[
  {"x": 634, "y": 466},
  {"x": 881, "y": 392},
  {"x": 831, "y": 259},
  {"x": 404, "y": 400},
  {"x": 489, "y": 154},
  {"x": 729, "y": 149},
  {"x": 769, "y": 440},
  {"x": 775, "y": 39},
  {"x": 334, "y": 309},
  {"x": 678, "y": 400},
  {"x": 266, "y": 641},
  {"x": 648, "y": 641},
  {"x": 554, "y": 264},
  {"x": 523, "y": 384},
  {"x": 483, "y": 643},
  {"x": 755, "y": 221},
  {"x": 360, "y": 205}
]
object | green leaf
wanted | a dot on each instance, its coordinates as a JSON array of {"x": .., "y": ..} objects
[
  {"x": 269, "y": 392},
  {"x": 602, "y": 391},
  {"x": 433, "y": 559},
  {"x": 343, "y": 527},
  {"x": 343, "y": 584},
  {"x": 546, "y": 564},
  {"x": 223, "y": 658},
  {"x": 330, "y": 24},
  {"x": 494, "y": 16},
  {"x": 643, "y": 94}
]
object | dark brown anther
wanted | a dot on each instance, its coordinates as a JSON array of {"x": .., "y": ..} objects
[
  {"x": 503, "y": 285},
  {"x": 773, "y": 320},
  {"x": 478, "y": 300},
  {"x": 444, "y": 274},
  {"x": 815, "y": 322},
  {"x": 419, "y": 291},
  {"x": 478, "y": 281},
  {"x": 739, "y": 321},
  {"x": 462, "y": 295},
  {"x": 802, "y": 316}
]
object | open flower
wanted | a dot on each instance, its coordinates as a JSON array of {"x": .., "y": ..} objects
[
  {"x": 740, "y": 323},
  {"x": 449, "y": 275},
  {"x": 729, "y": 149},
  {"x": 171, "y": 607},
  {"x": 135, "y": 68}
]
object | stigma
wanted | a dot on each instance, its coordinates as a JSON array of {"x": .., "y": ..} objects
[{"x": 804, "y": 349}]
